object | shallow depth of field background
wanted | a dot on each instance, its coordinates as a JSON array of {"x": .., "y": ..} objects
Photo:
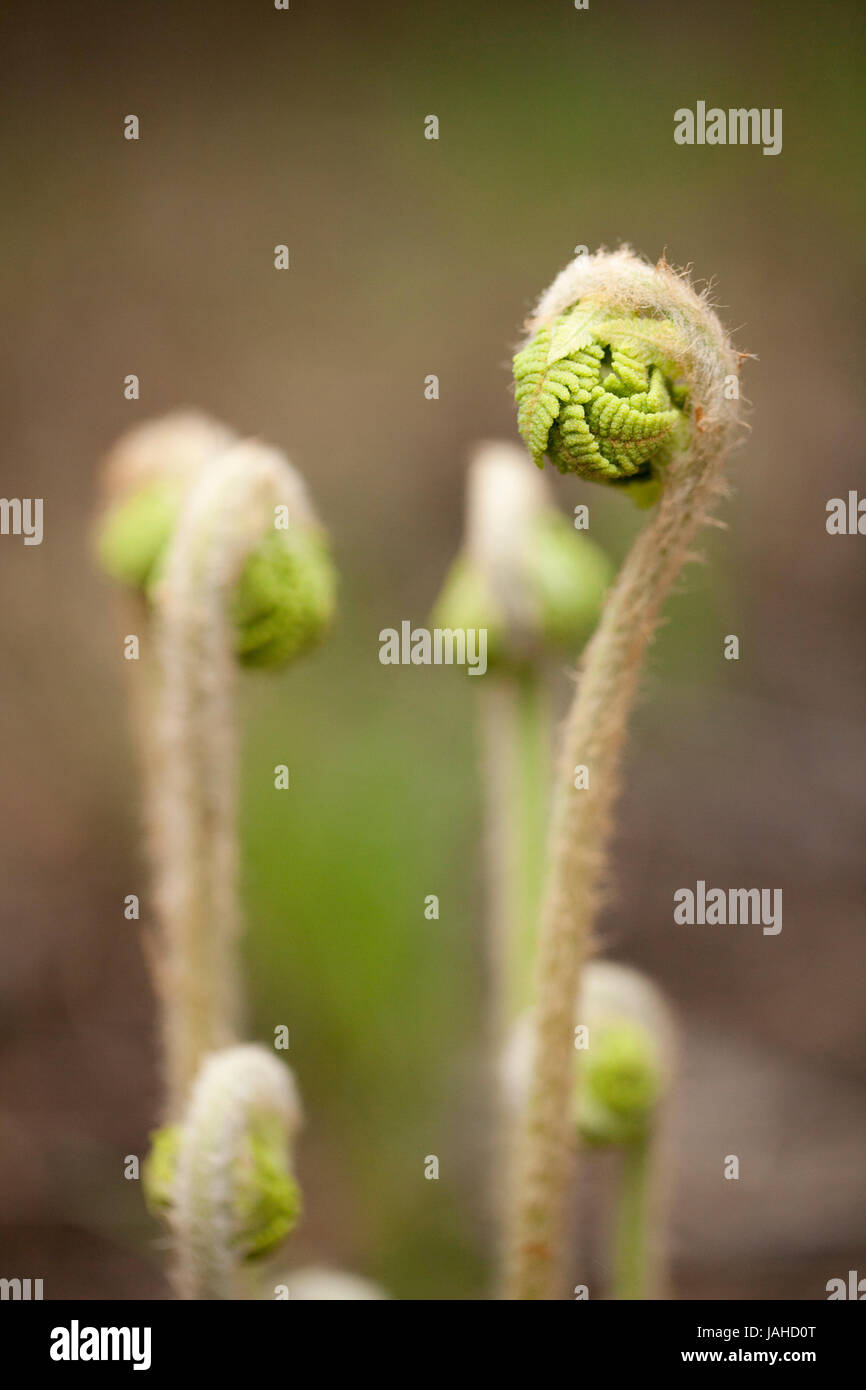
[{"x": 411, "y": 257}]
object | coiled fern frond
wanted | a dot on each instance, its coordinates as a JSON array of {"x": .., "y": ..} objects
[{"x": 601, "y": 396}]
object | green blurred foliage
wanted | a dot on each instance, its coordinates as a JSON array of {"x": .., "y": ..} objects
[{"x": 382, "y": 1003}]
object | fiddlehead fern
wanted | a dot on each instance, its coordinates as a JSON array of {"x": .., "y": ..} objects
[
  {"x": 608, "y": 321},
  {"x": 283, "y": 598},
  {"x": 222, "y": 1178},
  {"x": 597, "y": 395},
  {"x": 621, "y": 1076},
  {"x": 221, "y": 538},
  {"x": 524, "y": 574}
]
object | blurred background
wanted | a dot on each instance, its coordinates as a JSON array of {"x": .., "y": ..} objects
[{"x": 411, "y": 257}]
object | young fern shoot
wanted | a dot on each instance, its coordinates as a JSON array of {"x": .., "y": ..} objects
[
  {"x": 622, "y": 1086},
  {"x": 220, "y": 537},
  {"x": 627, "y": 378},
  {"x": 224, "y": 1180},
  {"x": 625, "y": 1040}
]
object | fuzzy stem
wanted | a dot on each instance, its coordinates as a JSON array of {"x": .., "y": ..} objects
[
  {"x": 515, "y": 722},
  {"x": 594, "y": 736},
  {"x": 532, "y": 796},
  {"x": 633, "y": 1222},
  {"x": 515, "y": 738},
  {"x": 193, "y": 790}
]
